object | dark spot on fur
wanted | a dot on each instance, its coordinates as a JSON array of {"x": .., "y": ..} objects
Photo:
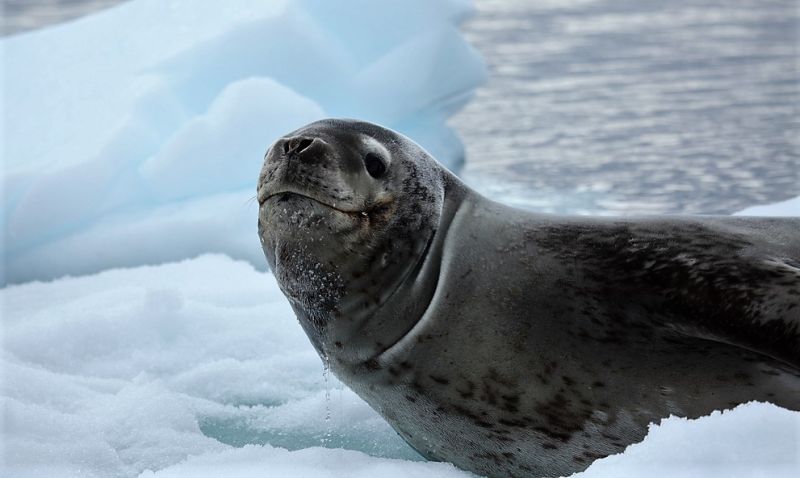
[
  {"x": 465, "y": 412},
  {"x": 483, "y": 424},
  {"x": 372, "y": 365},
  {"x": 593, "y": 456},
  {"x": 689, "y": 273},
  {"x": 512, "y": 422},
  {"x": 467, "y": 392},
  {"x": 488, "y": 395}
]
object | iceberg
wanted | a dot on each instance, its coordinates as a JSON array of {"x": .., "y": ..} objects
[{"x": 135, "y": 135}]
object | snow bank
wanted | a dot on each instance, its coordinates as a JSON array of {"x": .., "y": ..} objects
[
  {"x": 753, "y": 440},
  {"x": 199, "y": 368},
  {"x": 135, "y": 135},
  {"x": 128, "y": 370},
  {"x": 260, "y": 461}
]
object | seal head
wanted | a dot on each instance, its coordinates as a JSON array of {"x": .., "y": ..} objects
[{"x": 347, "y": 211}]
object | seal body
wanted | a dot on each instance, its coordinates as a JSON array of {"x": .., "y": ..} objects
[{"x": 519, "y": 344}]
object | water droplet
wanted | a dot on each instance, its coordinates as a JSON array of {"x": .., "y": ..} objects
[{"x": 326, "y": 367}]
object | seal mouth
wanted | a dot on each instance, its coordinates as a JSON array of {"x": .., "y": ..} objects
[
  {"x": 380, "y": 210},
  {"x": 281, "y": 196}
]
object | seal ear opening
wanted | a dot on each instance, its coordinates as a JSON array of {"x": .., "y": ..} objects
[{"x": 374, "y": 165}]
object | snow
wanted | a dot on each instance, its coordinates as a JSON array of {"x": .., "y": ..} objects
[
  {"x": 790, "y": 207},
  {"x": 256, "y": 462},
  {"x": 754, "y": 439},
  {"x": 134, "y": 369},
  {"x": 138, "y": 132}
]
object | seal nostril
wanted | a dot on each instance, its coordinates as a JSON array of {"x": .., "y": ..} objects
[
  {"x": 296, "y": 145},
  {"x": 304, "y": 143}
]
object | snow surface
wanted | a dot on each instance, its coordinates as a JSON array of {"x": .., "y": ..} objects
[
  {"x": 135, "y": 135},
  {"x": 790, "y": 207},
  {"x": 135, "y": 369}
]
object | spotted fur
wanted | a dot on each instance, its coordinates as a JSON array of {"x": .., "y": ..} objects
[{"x": 514, "y": 344}]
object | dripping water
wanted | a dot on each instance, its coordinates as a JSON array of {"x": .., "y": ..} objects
[{"x": 326, "y": 370}]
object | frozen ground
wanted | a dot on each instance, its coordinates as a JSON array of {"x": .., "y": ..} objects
[
  {"x": 134, "y": 135},
  {"x": 198, "y": 368}
]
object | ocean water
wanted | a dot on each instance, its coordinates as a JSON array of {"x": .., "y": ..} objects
[
  {"x": 636, "y": 106},
  {"x": 22, "y": 15},
  {"x": 617, "y": 106}
]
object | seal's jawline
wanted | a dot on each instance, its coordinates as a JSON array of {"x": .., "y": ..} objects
[{"x": 329, "y": 206}]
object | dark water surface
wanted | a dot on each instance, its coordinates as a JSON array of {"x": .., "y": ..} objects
[
  {"x": 24, "y": 15},
  {"x": 617, "y": 106},
  {"x": 636, "y": 106}
]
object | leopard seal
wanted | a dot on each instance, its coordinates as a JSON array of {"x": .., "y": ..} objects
[{"x": 511, "y": 343}]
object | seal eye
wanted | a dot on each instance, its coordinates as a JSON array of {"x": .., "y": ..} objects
[{"x": 374, "y": 165}]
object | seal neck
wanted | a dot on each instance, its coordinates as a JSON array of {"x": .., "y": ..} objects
[{"x": 375, "y": 333}]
